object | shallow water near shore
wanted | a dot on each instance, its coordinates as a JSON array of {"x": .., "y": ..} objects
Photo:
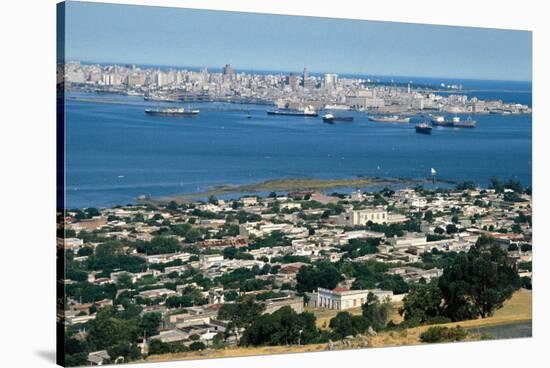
[{"x": 506, "y": 331}]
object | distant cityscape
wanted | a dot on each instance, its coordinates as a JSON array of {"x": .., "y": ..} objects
[{"x": 329, "y": 91}]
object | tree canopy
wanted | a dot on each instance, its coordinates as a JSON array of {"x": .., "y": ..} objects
[
  {"x": 478, "y": 282},
  {"x": 159, "y": 245},
  {"x": 376, "y": 312},
  {"x": 323, "y": 274},
  {"x": 345, "y": 324},
  {"x": 242, "y": 313},
  {"x": 282, "y": 327},
  {"x": 422, "y": 303}
]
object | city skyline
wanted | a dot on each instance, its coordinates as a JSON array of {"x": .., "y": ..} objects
[
  {"x": 218, "y": 68},
  {"x": 249, "y": 44}
]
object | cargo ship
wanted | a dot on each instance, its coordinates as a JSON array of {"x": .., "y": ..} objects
[
  {"x": 160, "y": 99},
  {"x": 331, "y": 118},
  {"x": 423, "y": 128},
  {"x": 177, "y": 112},
  {"x": 438, "y": 120},
  {"x": 389, "y": 119},
  {"x": 337, "y": 107},
  {"x": 455, "y": 122},
  {"x": 307, "y": 112},
  {"x": 134, "y": 93},
  {"x": 468, "y": 123}
]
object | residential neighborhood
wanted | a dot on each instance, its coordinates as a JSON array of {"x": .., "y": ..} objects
[{"x": 164, "y": 277}]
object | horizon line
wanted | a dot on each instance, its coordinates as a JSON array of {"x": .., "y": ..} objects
[{"x": 288, "y": 71}]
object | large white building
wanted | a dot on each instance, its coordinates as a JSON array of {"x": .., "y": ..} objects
[
  {"x": 331, "y": 80},
  {"x": 343, "y": 298},
  {"x": 415, "y": 274},
  {"x": 259, "y": 229},
  {"x": 417, "y": 240},
  {"x": 365, "y": 99},
  {"x": 361, "y": 217},
  {"x": 208, "y": 260}
]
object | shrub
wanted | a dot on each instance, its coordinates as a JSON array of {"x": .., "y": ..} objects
[
  {"x": 443, "y": 334},
  {"x": 438, "y": 320},
  {"x": 197, "y": 346}
]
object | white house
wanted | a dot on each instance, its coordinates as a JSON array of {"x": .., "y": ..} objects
[
  {"x": 377, "y": 215},
  {"x": 343, "y": 298}
]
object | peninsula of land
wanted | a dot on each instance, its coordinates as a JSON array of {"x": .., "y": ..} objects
[{"x": 294, "y": 185}]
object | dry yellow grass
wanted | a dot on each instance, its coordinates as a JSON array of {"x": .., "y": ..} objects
[
  {"x": 517, "y": 309},
  {"x": 323, "y": 315},
  {"x": 238, "y": 352}
]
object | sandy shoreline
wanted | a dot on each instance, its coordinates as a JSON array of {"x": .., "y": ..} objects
[{"x": 293, "y": 184}]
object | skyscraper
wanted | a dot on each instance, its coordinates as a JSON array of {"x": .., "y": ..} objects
[
  {"x": 228, "y": 71},
  {"x": 331, "y": 80},
  {"x": 305, "y": 76},
  {"x": 292, "y": 81}
]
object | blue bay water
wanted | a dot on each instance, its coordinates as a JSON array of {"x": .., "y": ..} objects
[{"x": 115, "y": 153}]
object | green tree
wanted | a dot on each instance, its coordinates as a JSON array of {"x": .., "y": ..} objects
[
  {"x": 342, "y": 324},
  {"x": 172, "y": 206},
  {"x": 496, "y": 185},
  {"x": 422, "y": 303},
  {"x": 515, "y": 185},
  {"x": 85, "y": 251},
  {"x": 394, "y": 283},
  {"x": 179, "y": 301},
  {"x": 242, "y": 313},
  {"x": 150, "y": 323},
  {"x": 159, "y": 245},
  {"x": 376, "y": 313},
  {"x": 323, "y": 274},
  {"x": 124, "y": 281},
  {"x": 443, "y": 334},
  {"x": 466, "y": 185},
  {"x": 428, "y": 216},
  {"x": 451, "y": 229},
  {"x": 478, "y": 282},
  {"x": 231, "y": 295},
  {"x": 106, "y": 330},
  {"x": 345, "y": 324},
  {"x": 283, "y": 327},
  {"x": 197, "y": 345}
]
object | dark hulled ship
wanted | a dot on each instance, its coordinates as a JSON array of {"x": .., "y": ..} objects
[{"x": 177, "y": 112}]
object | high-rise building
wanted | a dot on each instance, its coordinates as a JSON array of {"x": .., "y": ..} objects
[
  {"x": 331, "y": 80},
  {"x": 161, "y": 79},
  {"x": 292, "y": 81},
  {"x": 310, "y": 83},
  {"x": 95, "y": 76},
  {"x": 228, "y": 71},
  {"x": 107, "y": 79},
  {"x": 75, "y": 76},
  {"x": 305, "y": 76},
  {"x": 136, "y": 79}
]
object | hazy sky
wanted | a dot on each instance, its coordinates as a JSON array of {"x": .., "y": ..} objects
[{"x": 181, "y": 37}]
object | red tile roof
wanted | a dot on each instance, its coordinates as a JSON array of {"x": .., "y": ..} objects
[{"x": 340, "y": 289}]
